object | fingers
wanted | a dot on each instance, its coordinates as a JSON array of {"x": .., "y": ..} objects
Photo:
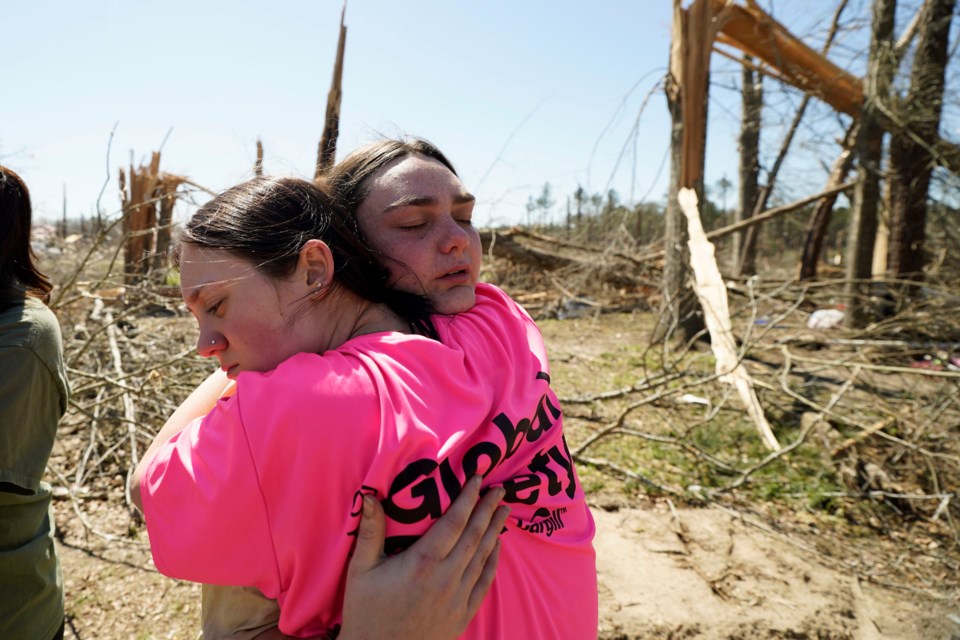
[
  {"x": 488, "y": 543},
  {"x": 369, "y": 550},
  {"x": 485, "y": 581},
  {"x": 446, "y": 532},
  {"x": 482, "y": 522}
]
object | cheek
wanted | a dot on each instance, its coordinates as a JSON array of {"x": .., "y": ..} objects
[
  {"x": 258, "y": 330},
  {"x": 475, "y": 253},
  {"x": 408, "y": 259},
  {"x": 265, "y": 348}
]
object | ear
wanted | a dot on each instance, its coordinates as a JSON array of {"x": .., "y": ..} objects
[{"x": 315, "y": 264}]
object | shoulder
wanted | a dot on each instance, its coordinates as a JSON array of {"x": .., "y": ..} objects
[
  {"x": 342, "y": 394},
  {"x": 493, "y": 309},
  {"x": 493, "y": 297},
  {"x": 496, "y": 307},
  {"x": 354, "y": 370},
  {"x": 29, "y": 324},
  {"x": 495, "y": 318},
  {"x": 33, "y": 328}
]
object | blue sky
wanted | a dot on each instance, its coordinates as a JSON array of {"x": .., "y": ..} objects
[{"x": 516, "y": 92}]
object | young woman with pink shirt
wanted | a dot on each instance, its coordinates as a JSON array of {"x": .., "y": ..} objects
[{"x": 336, "y": 399}]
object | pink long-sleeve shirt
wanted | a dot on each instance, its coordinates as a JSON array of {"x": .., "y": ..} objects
[{"x": 264, "y": 491}]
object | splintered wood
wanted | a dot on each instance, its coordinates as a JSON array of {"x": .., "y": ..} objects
[
  {"x": 148, "y": 197},
  {"x": 712, "y": 293},
  {"x": 327, "y": 150}
]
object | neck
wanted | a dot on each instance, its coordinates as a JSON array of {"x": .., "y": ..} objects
[{"x": 359, "y": 317}]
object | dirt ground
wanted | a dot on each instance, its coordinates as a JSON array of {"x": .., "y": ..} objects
[
  {"x": 706, "y": 573},
  {"x": 681, "y": 573},
  {"x": 666, "y": 570}
]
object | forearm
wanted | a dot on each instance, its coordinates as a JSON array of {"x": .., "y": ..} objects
[
  {"x": 276, "y": 634},
  {"x": 198, "y": 404}
]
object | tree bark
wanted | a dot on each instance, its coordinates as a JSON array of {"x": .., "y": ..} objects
[
  {"x": 675, "y": 242},
  {"x": 746, "y": 258},
  {"x": 258, "y": 165},
  {"x": 139, "y": 217},
  {"x": 820, "y": 219},
  {"x": 752, "y": 107},
  {"x": 167, "y": 197},
  {"x": 911, "y": 163},
  {"x": 327, "y": 149},
  {"x": 869, "y": 146},
  {"x": 687, "y": 88}
]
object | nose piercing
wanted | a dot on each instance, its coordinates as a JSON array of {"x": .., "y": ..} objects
[{"x": 213, "y": 342}]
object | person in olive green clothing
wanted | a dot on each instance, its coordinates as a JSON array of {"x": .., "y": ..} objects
[{"x": 33, "y": 397}]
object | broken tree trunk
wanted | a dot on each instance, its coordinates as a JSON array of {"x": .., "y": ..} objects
[
  {"x": 147, "y": 198},
  {"x": 755, "y": 32},
  {"x": 167, "y": 197},
  {"x": 751, "y": 109},
  {"x": 327, "y": 150},
  {"x": 674, "y": 241},
  {"x": 869, "y": 145},
  {"x": 820, "y": 219},
  {"x": 688, "y": 82},
  {"x": 911, "y": 163},
  {"x": 138, "y": 199},
  {"x": 747, "y": 257}
]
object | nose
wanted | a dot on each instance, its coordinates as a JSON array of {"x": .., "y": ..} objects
[
  {"x": 209, "y": 343},
  {"x": 454, "y": 238}
]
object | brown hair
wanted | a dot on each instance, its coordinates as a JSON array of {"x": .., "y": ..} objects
[
  {"x": 18, "y": 273},
  {"x": 267, "y": 221}
]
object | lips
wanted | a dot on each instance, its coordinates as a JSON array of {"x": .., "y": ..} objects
[{"x": 456, "y": 276}]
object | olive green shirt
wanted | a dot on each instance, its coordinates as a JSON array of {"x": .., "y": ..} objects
[
  {"x": 236, "y": 613},
  {"x": 33, "y": 397}
]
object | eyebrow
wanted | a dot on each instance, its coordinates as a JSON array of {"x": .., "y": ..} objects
[
  {"x": 191, "y": 296},
  {"x": 424, "y": 201}
]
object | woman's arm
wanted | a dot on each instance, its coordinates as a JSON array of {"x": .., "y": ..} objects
[{"x": 198, "y": 403}]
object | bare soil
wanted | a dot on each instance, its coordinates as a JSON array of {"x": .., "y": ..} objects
[{"x": 668, "y": 567}]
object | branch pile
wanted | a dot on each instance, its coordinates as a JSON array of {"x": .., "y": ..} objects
[{"x": 556, "y": 274}]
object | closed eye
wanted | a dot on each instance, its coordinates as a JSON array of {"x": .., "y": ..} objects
[{"x": 216, "y": 307}]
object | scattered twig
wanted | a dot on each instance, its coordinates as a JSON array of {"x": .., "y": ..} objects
[
  {"x": 640, "y": 385},
  {"x": 632, "y": 475},
  {"x": 863, "y": 435}
]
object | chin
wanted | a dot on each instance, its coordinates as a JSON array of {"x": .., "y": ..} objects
[{"x": 455, "y": 301}]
